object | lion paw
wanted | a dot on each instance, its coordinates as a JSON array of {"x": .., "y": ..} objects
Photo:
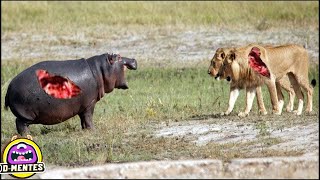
[
  {"x": 243, "y": 114},
  {"x": 263, "y": 112},
  {"x": 308, "y": 111},
  {"x": 289, "y": 109},
  {"x": 277, "y": 112},
  {"x": 225, "y": 113},
  {"x": 296, "y": 112}
]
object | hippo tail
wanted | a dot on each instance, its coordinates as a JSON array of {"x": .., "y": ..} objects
[{"x": 6, "y": 101}]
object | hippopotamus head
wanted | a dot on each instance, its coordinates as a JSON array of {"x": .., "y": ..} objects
[{"x": 119, "y": 65}]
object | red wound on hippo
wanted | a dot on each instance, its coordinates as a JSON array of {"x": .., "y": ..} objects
[
  {"x": 256, "y": 63},
  {"x": 57, "y": 86}
]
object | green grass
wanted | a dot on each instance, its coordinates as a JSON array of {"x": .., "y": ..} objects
[
  {"x": 66, "y": 17},
  {"x": 122, "y": 119}
]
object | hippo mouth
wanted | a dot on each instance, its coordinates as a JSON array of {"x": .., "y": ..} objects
[
  {"x": 22, "y": 156},
  {"x": 123, "y": 86}
]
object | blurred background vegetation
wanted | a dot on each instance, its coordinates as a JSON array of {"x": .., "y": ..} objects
[{"x": 69, "y": 16}]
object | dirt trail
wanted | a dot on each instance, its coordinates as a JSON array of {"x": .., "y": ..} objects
[{"x": 301, "y": 137}]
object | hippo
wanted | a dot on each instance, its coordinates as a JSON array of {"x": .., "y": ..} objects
[{"x": 51, "y": 92}]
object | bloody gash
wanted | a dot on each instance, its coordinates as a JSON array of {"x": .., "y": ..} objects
[{"x": 51, "y": 92}]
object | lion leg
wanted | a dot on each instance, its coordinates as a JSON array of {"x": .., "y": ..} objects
[
  {"x": 250, "y": 94},
  {"x": 234, "y": 93},
  {"x": 290, "y": 104},
  {"x": 289, "y": 107},
  {"x": 262, "y": 108},
  {"x": 305, "y": 85},
  {"x": 280, "y": 96},
  {"x": 286, "y": 85},
  {"x": 298, "y": 92},
  {"x": 271, "y": 84}
]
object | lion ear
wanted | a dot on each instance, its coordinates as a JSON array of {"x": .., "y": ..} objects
[
  {"x": 222, "y": 55},
  {"x": 232, "y": 56}
]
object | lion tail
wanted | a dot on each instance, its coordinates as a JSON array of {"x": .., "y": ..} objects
[
  {"x": 305, "y": 45},
  {"x": 313, "y": 83}
]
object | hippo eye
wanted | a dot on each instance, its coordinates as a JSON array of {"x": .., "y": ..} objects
[
  {"x": 21, "y": 146},
  {"x": 119, "y": 57}
]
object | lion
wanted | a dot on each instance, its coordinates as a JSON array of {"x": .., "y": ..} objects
[
  {"x": 254, "y": 65},
  {"x": 213, "y": 70}
]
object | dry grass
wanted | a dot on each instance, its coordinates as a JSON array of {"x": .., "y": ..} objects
[{"x": 67, "y": 17}]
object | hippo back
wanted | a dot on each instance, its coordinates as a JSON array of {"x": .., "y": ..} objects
[{"x": 27, "y": 99}]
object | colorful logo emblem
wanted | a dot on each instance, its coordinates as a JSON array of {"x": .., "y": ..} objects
[{"x": 22, "y": 158}]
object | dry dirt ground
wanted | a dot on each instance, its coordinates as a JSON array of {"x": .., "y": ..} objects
[
  {"x": 152, "y": 44},
  {"x": 301, "y": 137},
  {"x": 171, "y": 45}
]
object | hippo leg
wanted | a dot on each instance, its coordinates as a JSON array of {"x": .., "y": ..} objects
[
  {"x": 22, "y": 126},
  {"x": 86, "y": 118}
]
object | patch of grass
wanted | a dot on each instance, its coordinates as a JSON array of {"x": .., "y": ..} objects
[
  {"x": 263, "y": 128},
  {"x": 121, "y": 118},
  {"x": 59, "y": 17},
  {"x": 178, "y": 149}
]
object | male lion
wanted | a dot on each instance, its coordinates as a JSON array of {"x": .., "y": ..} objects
[
  {"x": 254, "y": 65},
  {"x": 213, "y": 70}
]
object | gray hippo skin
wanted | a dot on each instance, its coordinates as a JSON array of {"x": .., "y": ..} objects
[{"x": 94, "y": 76}]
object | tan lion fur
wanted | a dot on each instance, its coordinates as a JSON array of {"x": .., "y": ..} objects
[
  {"x": 252, "y": 81},
  {"x": 291, "y": 60}
]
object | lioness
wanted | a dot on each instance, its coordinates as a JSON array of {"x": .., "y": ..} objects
[
  {"x": 213, "y": 70},
  {"x": 254, "y": 65}
]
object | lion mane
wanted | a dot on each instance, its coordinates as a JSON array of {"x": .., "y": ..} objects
[{"x": 243, "y": 76}]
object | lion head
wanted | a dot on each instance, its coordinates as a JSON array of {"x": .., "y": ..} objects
[
  {"x": 236, "y": 67},
  {"x": 217, "y": 61}
]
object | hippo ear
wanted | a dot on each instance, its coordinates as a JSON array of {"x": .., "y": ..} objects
[
  {"x": 256, "y": 63},
  {"x": 111, "y": 58}
]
